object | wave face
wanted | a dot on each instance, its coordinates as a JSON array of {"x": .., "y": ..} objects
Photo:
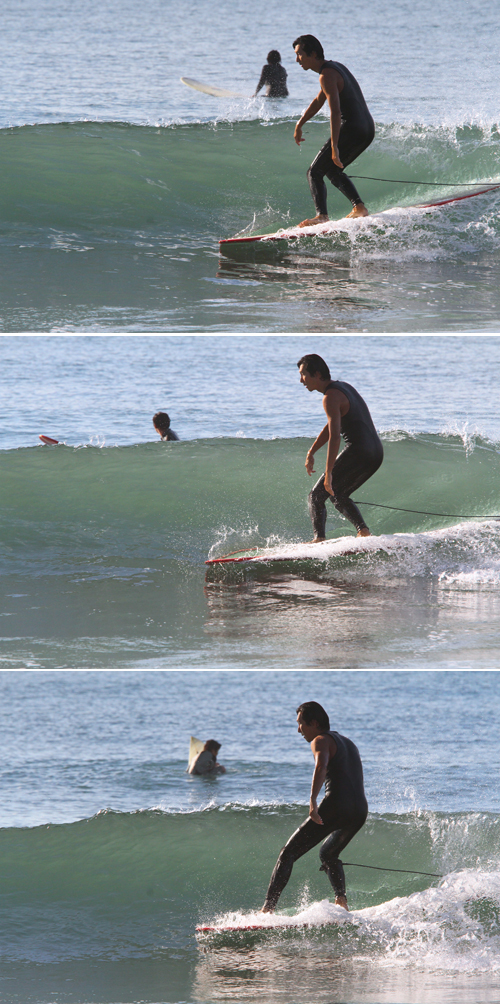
[
  {"x": 130, "y": 885},
  {"x": 72, "y": 508},
  {"x": 204, "y": 180},
  {"x": 104, "y": 549},
  {"x": 117, "y": 226}
]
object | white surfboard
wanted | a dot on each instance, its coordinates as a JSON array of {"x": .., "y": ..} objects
[
  {"x": 195, "y": 747},
  {"x": 316, "y": 916},
  {"x": 241, "y": 923},
  {"x": 336, "y": 547},
  {"x": 306, "y": 550},
  {"x": 216, "y": 92},
  {"x": 346, "y": 224},
  {"x": 287, "y": 925}
]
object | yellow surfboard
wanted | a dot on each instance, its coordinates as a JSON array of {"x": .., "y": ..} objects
[{"x": 195, "y": 747}]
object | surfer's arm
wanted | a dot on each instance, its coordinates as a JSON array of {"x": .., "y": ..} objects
[
  {"x": 321, "y": 752},
  {"x": 329, "y": 81},
  {"x": 333, "y": 403},
  {"x": 318, "y": 443},
  {"x": 309, "y": 113},
  {"x": 262, "y": 81}
]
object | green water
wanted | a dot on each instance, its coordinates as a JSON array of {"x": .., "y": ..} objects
[
  {"x": 118, "y": 225},
  {"x": 104, "y": 557}
]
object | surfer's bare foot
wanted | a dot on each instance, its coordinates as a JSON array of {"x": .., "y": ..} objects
[
  {"x": 317, "y": 540},
  {"x": 359, "y": 210},
  {"x": 341, "y": 901},
  {"x": 316, "y": 219},
  {"x": 266, "y": 909},
  {"x": 364, "y": 532}
]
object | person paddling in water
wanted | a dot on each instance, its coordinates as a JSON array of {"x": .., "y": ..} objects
[
  {"x": 348, "y": 416},
  {"x": 273, "y": 77},
  {"x": 351, "y": 127}
]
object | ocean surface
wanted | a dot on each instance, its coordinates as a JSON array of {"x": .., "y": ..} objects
[
  {"x": 111, "y": 854},
  {"x": 104, "y": 537},
  {"x": 118, "y": 181}
]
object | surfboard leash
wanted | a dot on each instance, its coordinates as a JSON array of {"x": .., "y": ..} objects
[
  {"x": 404, "y": 871},
  {"x": 422, "y": 512},
  {"x": 433, "y": 184}
]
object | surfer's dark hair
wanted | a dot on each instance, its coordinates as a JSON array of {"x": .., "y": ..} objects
[
  {"x": 274, "y": 56},
  {"x": 310, "y": 44},
  {"x": 314, "y": 364},
  {"x": 311, "y": 711},
  {"x": 212, "y": 744},
  {"x": 161, "y": 421}
]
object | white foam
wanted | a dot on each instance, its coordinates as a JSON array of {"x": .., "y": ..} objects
[
  {"x": 315, "y": 915},
  {"x": 454, "y": 927},
  {"x": 390, "y": 543}
]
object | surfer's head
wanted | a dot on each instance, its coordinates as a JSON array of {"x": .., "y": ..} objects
[
  {"x": 212, "y": 746},
  {"x": 274, "y": 56},
  {"x": 161, "y": 422},
  {"x": 314, "y": 364},
  {"x": 308, "y": 51},
  {"x": 311, "y": 719},
  {"x": 314, "y": 372}
]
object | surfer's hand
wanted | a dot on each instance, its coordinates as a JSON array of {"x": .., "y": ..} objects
[
  {"x": 328, "y": 483},
  {"x": 336, "y": 159},
  {"x": 314, "y": 815},
  {"x": 298, "y": 135},
  {"x": 310, "y": 463}
]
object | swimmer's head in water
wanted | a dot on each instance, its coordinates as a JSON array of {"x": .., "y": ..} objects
[
  {"x": 274, "y": 56},
  {"x": 314, "y": 364},
  {"x": 212, "y": 745},
  {"x": 309, "y": 46},
  {"x": 161, "y": 422}
]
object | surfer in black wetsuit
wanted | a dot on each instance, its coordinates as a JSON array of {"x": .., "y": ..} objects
[
  {"x": 273, "y": 77},
  {"x": 351, "y": 127},
  {"x": 348, "y": 416},
  {"x": 341, "y": 813}
]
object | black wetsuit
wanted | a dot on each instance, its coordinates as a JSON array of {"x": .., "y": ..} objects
[
  {"x": 343, "y": 810},
  {"x": 273, "y": 76},
  {"x": 362, "y": 456},
  {"x": 356, "y": 133}
]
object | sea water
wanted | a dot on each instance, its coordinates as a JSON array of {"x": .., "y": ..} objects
[
  {"x": 104, "y": 537},
  {"x": 111, "y": 854},
  {"x": 118, "y": 181}
]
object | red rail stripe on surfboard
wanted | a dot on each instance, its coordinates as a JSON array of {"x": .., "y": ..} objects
[
  {"x": 225, "y": 561},
  {"x": 457, "y": 198}
]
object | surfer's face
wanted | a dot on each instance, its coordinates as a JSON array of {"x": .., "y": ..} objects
[
  {"x": 306, "y": 378},
  {"x": 308, "y": 731},
  {"x": 301, "y": 57}
]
